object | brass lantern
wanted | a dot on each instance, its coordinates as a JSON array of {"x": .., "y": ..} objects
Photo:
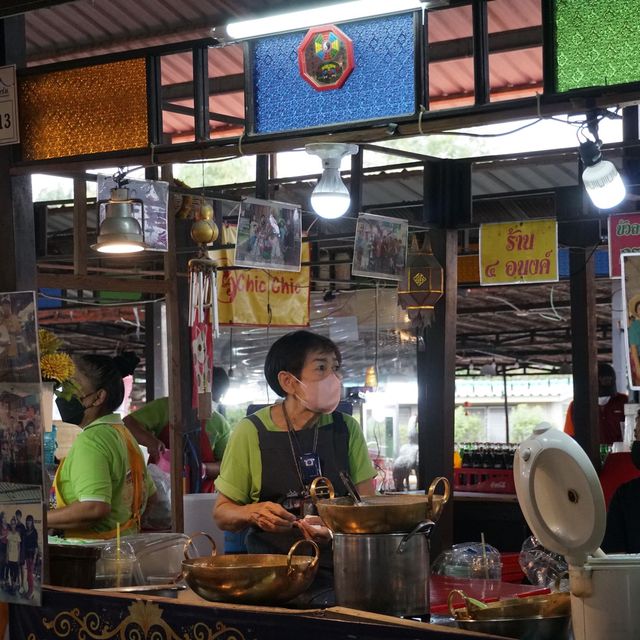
[{"x": 421, "y": 283}]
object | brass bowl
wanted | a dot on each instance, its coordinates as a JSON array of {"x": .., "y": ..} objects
[
  {"x": 531, "y": 628},
  {"x": 546, "y": 605},
  {"x": 388, "y": 513},
  {"x": 251, "y": 578}
]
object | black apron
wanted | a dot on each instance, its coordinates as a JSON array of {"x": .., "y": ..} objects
[{"x": 280, "y": 477}]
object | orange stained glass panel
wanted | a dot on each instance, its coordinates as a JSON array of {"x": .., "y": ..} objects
[{"x": 87, "y": 110}]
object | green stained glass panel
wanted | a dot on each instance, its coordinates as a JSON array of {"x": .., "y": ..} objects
[{"x": 597, "y": 43}]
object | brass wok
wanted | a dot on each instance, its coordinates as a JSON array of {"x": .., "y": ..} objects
[
  {"x": 252, "y": 578},
  {"x": 546, "y": 605},
  {"x": 388, "y": 513}
]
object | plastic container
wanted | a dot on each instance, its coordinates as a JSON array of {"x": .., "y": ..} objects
[
  {"x": 116, "y": 565},
  {"x": 73, "y": 565},
  {"x": 484, "y": 480},
  {"x": 50, "y": 445}
]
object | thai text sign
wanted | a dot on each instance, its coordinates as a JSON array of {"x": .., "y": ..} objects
[
  {"x": 261, "y": 297},
  {"x": 624, "y": 237},
  {"x": 513, "y": 252}
]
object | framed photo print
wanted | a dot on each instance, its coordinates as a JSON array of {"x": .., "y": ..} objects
[
  {"x": 269, "y": 235},
  {"x": 380, "y": 248}
]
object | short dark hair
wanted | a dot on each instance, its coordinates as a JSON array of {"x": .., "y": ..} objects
[
  {"x": 605, "y": 370},
  {"x": 289, "y": 353}
]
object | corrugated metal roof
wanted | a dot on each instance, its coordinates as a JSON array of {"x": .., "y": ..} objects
[{"x": 85, "y": 27}]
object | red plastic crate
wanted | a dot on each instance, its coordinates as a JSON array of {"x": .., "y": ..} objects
[{"x": 484, "y": 480}]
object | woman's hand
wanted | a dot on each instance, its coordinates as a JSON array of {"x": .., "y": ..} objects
[
  {"x": 314, "y": 529},
  {"x": 270, "y": 516}
]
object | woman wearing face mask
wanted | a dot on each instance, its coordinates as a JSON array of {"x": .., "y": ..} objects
[
  {"x": 103, "y": 481},
  {"x": 274, "y": 454}
]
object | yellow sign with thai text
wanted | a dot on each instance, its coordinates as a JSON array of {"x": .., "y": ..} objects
[
  {"x": 519, "y": 252},
  {"x": 260, "y": 297}
]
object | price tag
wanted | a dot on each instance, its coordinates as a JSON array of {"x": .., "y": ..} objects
[{"x": 9, "y": 129}]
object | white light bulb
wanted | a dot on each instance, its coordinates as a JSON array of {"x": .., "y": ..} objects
[
  {"x": 120, "y": 247},
  {"x": 330, "y": 198},
  {"x": 604, "y": 184},
  {"x": 296, "y": 20}
]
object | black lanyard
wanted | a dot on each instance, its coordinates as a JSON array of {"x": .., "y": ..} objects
[{"x": 295, "y": 444}]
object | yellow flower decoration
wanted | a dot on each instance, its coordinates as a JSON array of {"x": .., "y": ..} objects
[
  {"x": 48, "y": 342},
  {"x": 56, "y": 366}
]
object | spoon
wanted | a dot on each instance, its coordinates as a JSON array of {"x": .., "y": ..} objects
[{"x": 351, "y": 488}]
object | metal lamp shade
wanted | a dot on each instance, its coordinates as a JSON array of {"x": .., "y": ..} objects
[{"x": 120, "y": 232}]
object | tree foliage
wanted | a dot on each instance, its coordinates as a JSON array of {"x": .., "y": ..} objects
[
  {"x": 522, "y": 420},
  {"x": 469, "y": 427}
]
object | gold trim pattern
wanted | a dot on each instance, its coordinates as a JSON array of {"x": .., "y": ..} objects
[{"x": 144, "y": 622}]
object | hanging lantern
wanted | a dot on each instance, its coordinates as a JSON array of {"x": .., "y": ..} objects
[
  {"x": 371, "y": 378},
  {"x": 421, "y": 284}
]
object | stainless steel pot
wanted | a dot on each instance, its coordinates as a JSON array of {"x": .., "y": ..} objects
[{"x": 386, "y": 573}]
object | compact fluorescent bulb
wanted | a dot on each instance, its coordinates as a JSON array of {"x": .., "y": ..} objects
[{"x": 296, "y": 20}]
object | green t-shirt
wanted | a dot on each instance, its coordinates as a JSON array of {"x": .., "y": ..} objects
[
  {"x": 97, "y": 468},
  {"x": 154, "y": 417},
  {"x": 240, "y": 476}
]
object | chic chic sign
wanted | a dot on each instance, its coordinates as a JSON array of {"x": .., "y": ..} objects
[{"x": 519, "y": 252}]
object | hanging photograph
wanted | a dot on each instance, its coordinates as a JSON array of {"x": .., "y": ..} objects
[
  {"x": 154, "y": 198},
  {"x": 18, "y": 344},
  {"x": 269, "y": 235},
  {"x": 380, "y": 247},
  {"x": 20, "y": 435},
  {"x": 21, "y": 563},
  {"x": 631, "y": 291}
]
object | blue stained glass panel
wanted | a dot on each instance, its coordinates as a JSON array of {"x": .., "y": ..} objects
[{"x": 382, "y": 85}]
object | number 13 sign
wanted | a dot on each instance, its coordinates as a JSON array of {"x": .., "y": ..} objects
[{"x": 9, "y": 130}]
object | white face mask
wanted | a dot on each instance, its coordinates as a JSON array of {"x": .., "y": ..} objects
[
  {"x": 322, "y": 396},
  {"x": 602, "y": 400}
]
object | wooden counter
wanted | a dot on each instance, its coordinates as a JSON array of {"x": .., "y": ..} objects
[{"x": 93, "y": 615}]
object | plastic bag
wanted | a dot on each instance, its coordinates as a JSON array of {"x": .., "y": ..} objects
[
  {"x": 157, "y": 515},
  {"x": 542, "y": 567},
  {"x": 467, "y": 560}
]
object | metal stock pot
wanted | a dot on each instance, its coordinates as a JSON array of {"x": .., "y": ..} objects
[
  {"x": 253, "y": 578},
  {"x": 387, "y": 513}
]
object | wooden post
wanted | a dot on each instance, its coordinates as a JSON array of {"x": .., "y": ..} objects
[{"x": 80, "y": 226}]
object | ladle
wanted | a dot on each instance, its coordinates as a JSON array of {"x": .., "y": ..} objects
[{"x": 351, "y": 488}]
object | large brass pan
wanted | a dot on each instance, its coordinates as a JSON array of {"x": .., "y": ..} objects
[
  {"x": 388, "y": 513},
  {"x": 252, "y": 578}
]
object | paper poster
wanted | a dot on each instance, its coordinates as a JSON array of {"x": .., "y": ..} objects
[
  {"x": 269, "y": 235},
  {"x": 18, "y": 342},
  {"x": 380, "y": 247},
  {"x": 631, "y": 291},
  {"x": 519, "y": 252},
  {"x": 21, "y": 525},
  {"x": 624, "y": 237}
]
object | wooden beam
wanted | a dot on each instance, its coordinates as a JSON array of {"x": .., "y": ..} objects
[
  {"x": 100, "y": 283},
  {"x": 79, "y": 226}
]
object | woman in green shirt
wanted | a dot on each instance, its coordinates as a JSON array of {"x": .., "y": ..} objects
[
  {"x": 103, "y": 482},
  {"x": 274, "y": 454}
]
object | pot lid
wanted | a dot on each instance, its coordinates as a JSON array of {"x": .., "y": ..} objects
[{"x": 560, "y": 494}]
